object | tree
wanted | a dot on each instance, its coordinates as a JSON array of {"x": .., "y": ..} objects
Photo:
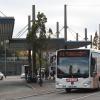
[
  {"x": 31, "y": 38},
  {"x": 38, "y": 38},
  {"x": 95, "y": 40}
]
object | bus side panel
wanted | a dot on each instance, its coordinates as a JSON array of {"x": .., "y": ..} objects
[{"x": 96, "y": 77}]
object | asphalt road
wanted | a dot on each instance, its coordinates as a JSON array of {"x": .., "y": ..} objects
[
  {"x": 13, "y": 87},
  {"x": 75, "y": 95}
]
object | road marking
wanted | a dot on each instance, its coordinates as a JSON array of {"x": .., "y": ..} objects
[{"x": 79, "y": 98}]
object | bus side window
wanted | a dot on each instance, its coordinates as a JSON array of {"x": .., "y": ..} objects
[{"x": 93, "y": 63}]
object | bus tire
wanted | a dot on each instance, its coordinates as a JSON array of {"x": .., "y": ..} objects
[
  {"x": 99, "y": 79},
  {"x": 99, "y": 85},
  {"x": 68, "y": 90}
]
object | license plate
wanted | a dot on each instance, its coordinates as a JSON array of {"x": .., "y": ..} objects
[
  {"x": 72, "y": 79},
  {"x": 72, "y": 86}
]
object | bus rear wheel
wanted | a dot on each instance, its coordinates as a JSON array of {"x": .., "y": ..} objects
[{"x": 67, "y": 90}]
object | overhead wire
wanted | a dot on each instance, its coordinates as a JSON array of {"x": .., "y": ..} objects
[
  {"x": 72, "y": 33},
  {"x": 61, "y": 29},
  {"x": 59, "y": 32},
  {"x": 20, "y": 32},
  {"x": 97, "y": 5},
  {"x": 76, "y": 32},
  {"x": 3, "y": 13}
]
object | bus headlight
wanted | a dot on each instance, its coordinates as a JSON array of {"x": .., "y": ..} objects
[
  {"x": 57, "y": 83},
  {"x": 87, "y": 83}
]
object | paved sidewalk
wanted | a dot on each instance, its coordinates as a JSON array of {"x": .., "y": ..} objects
[
  {"x": 35, "y": 90},
  {"x": 47, "y": 87}
]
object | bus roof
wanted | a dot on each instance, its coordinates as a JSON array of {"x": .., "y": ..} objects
[{"x": 90, "y": 49}]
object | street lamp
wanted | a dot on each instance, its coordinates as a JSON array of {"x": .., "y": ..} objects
[{"x": 5, "y": 45}]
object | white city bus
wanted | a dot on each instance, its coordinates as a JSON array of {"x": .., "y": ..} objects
[{"x": 77, "y": 69}]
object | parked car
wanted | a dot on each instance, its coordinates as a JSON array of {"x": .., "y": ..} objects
[
  {"x": 23, "y": 75},
  {"x": 1, "y": 76}
]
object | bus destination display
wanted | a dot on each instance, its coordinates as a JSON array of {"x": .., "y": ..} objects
[{"x": 73, "y": 53}]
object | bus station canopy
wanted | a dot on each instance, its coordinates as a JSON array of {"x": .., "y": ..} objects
[
  {"x": 61, "y": 44},
  {"x": 52, "y": 44}
]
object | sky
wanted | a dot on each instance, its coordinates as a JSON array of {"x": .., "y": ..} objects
[{"x": 81, "y": 14}]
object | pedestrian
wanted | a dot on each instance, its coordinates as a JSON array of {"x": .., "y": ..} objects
[
  {"x": 46, "y": 74},
  {"x": 40, "y": 82},
  {"x": 5, "y": 76}
]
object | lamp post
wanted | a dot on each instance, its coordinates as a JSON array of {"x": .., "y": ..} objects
[
  {"x": 5, "y": 58},
  {"x": 5, "y": 48}
]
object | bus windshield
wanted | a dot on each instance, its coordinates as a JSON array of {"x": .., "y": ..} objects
[{"x": 72, "y": 67}]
